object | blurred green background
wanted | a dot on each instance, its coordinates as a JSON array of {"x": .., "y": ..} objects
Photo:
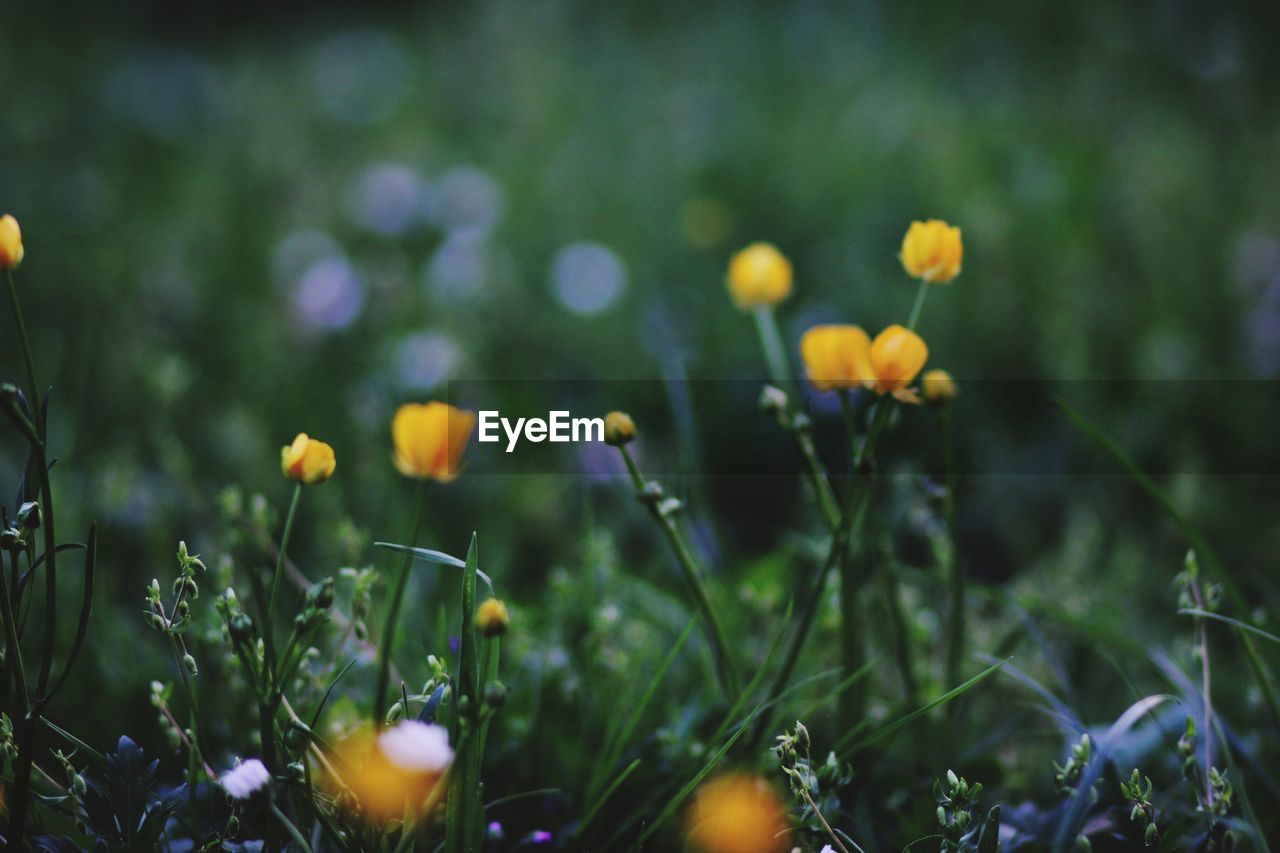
[{"x": 245, "y": 221}]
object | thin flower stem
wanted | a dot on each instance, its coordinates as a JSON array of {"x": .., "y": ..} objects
[
  {"x": 817, "y": 813},
  {"x": 955, "y": 580},
  {"x": 689, "y": 565},
  {"x": 294, "y": 832},
  {"x": 393, "y": 611},
  {"x": 268, "y": 630},
  {"x": 13, "y": 650},
  {"x": 913, "y": 318},
  {"x": 775, "y": 353},
  {"x": 22, "y": 767},
  {"x": 1208, "y": 702}
]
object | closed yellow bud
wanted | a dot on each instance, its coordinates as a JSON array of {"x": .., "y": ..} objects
[
  {"x": 429, "y": 439},
  {"x": 837, "y": 357},
  {"x": 737, "y": 813},
  {"x": 932, "y": 251},
  {"x": 939, "y": 387},
  {"x": 759, "y": 275},
  {"x": 492, "y": 618},
  {"x": 11, "y": 250},
  {"x": 619, "y": 429},
  {"x": 307, "y": 460},
  {"x": 897, "y": 355}
]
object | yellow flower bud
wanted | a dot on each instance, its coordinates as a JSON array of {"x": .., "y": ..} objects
[
  {"x": 759, "y": 275},
  {"x": 897, "y": 355},
  {"x": 11, "y": 250},
  {"x": 939, "y": 387},
  {"x": 492, "y": 618},
  {"x": 737, "y": 813},
  {"x": 932, "y": 251},
  {"x": 837, "y": 357},
  {"x": 429, "y": 439},
  {"x": 619, "y": 429},
  {"x": 307, "y": 460}
]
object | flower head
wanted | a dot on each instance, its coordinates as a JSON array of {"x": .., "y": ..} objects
[
  {"x": 308, "y": 460},
  {"x": 897, "y": 355},
  {"x": 245, "y": 779},
  {"x": 619, "y": 429},
  {"x": 429, "y": 439},
  {"x": 938, "y": 386},
  {"x": 932, "y": 251},
  {"x": 842, "y": 357},
  {"x": 400, "y": 768},
  {"x": 837, "y": 357},
  {"x": 11, "y": 250},
  {"x": 759, "y": 275},
  {"x": 737, "y": 813},
  {"x": 492, "y": 618}
]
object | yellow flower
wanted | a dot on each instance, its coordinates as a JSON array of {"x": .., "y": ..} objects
[
  {"x": 397, "y": 770},
  {"x": 939, "y": 387},
  {"x": 492, "y": 618},
  {"x": 619, "y": 429},
  {"x": 737, "y": 813},
  {"x": 837, "y": 357},
  {"x": 897, "y": 355},
  {"x": 11, "y": 250},
  {"x": 759, "y": 275},
  {"x": 932, "y": 251},
  {"x": 429, "y": 439},
  {"x": 307, "y": 460},
  {"x": 843, "y": 357}
]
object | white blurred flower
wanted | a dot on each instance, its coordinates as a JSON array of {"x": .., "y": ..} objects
[
  {"x": 245, "y": 779},
  {"x": 417, "y": 747}
]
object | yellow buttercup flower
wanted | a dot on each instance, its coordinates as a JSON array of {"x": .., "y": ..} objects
[
  {"x": 429, "y": 439},
  {"x": 759, "y": 275},
  {"x": 492, "y": 618},
  {"x": 307, "y": 460},
  {"x": 619, "y": 429},
  {"x": 897, "y": 355},
  {"x": 938, "y": 387},
  {"x": 842, "y": 357},
  {"x": 932, "y": 251},
  {"x": 11, "y": 250},
  {"x": 398, "y": 770},
  {"x": 737, "y": 813},
  {"x": 837, "y": 357}
]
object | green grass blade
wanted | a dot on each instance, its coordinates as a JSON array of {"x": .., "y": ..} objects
[
  {"x": 464, "y": 812},
  {"x": 1243, "y": 626},
  {"x": 581, "y": 831},
  {"x": 847, "y": 750}
]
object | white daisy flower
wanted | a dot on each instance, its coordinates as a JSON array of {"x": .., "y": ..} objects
[
  {"x": 417, "y": 747},
  {"x": 245, "y": 779}
]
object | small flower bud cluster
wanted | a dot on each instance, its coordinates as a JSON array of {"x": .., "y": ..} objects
[
  {"x": 362, "y": 581},
  {"x": 185, "y": 590},
  {"x": 316, "y": 605},
  {"x": 15, "y": 536},
  {"x": 957, "y": 805},
  {"x": 1067, "y": 777},
  {"x": 8, "y": 746},
  {"x": 1142, "y": 812}
]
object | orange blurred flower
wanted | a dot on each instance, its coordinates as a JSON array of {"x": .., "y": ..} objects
[
  {"x": 737, "y": 813},
  {"x": 396, "y": 772},
  {"x": 843, "y": 357},
  {"x": 429, "y": 439}
]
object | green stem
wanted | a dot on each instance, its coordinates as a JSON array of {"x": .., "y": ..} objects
[
  {"x": 13, "y": 655},
  {"x": 386, "y": 647},
  {"x": 22, "y": 769},
  {"x": 775, "y": 353},
  {"x": 818, "y": 477},
  {"x": 295, "y": 833},
  {"x": 268, "y": 630},
  {"x": 914, "y": 317},
  {"x": 689, "y": 565},
  {"x": 955, "y": 580}
]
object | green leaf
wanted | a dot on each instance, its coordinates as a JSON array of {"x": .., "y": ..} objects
[
  {"x": 429, "y": 556},
  {"x": 845, "y": 751},
  {"x": 1243, "y": 626}
]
